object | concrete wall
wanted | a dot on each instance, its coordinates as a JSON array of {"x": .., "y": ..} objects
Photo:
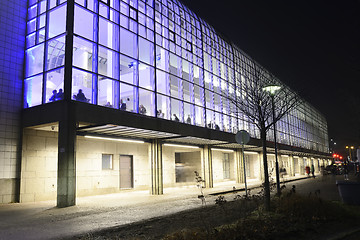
[
  {"x": 12, "y": 45},
  {"x": 218, "y": 167},
  {"x": 39, "y": 166}
]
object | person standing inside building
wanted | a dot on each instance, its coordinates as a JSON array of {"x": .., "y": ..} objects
[
  {"x": 80, "y": 96},
  {"x": 313, "y": 170},
  {"x": 59, "y": 95},
  {"x": 53, "y": 97}
]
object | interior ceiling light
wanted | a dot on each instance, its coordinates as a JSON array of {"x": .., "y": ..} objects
[
  {"x": 222, "y": 150},
  {"x": 115, "y": 139},
  {"x": 247, "y": 152},
  {"x": 176, "y": 145}
]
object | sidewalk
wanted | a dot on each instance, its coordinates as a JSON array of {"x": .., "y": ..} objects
[{"x": 44, "y": 221}]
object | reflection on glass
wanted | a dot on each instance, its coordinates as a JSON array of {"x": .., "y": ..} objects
[
  {"x": 32, "y": 91},
  {"x": 84, "y": 23},
  {"x": 34, "y": 60},
  {"x": 57, "y": 21}
]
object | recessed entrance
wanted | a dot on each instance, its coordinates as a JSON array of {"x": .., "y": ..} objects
[{"x": 126, "y": 171}]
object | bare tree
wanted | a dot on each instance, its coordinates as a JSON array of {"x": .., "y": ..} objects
[{"x": 250, "y": 99}]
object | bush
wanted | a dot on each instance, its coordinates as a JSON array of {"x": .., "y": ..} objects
[{"x": 292, "y": 217}]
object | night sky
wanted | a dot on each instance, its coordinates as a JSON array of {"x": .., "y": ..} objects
[{"x": 313, "y": 46}]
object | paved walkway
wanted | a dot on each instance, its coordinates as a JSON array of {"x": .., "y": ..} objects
[{"x": 42, "y": 220}]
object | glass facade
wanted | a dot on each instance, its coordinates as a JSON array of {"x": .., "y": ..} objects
[{"x": 151, "y": 57}]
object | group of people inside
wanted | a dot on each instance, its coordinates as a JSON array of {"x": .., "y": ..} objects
[
  {"x": 59, "y": 95},
  {"x": 56, "y": 96}
]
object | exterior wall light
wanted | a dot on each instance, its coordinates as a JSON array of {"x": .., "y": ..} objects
[
  {"x": 182, "y": 146},
  {"x": 222, "y": 150},
  {"x": 114, "y": 139}
]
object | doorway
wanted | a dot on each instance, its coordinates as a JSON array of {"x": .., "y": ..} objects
[{"x": 126, "y": 171}]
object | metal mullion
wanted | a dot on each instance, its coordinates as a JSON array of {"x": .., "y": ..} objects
[{"x": 69, "y": 43}]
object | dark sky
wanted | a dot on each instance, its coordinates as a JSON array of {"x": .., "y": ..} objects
[{"x": 313, "y": 46}]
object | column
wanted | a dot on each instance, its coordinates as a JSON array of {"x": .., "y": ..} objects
[
  {"x": 66, "y": 179},
  {"x": 239, "y": 166},
  {"x": 157, "y": 187},
  {"x": 292, "y": 166},
  {"x": 207, "y": 167},
  {"x": 261, "y": 162}
]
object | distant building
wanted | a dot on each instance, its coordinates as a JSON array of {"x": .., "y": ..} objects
[{"x": 137, "y": 102}]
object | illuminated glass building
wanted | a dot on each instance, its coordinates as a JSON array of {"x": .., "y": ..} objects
[{"x": 109, "y": 85}]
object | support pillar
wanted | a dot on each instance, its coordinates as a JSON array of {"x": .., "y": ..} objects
[
  {"x": 66, "y": 177},
  {"x": 261, "y": 162},
  {"x": 292, "y": 166},
  {"x": 157, "y": 187},
  {"x": 207, "y": 167},
  {"x": 239, "y": 166}
]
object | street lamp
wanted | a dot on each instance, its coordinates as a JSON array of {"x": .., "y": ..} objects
[
  {"x": 350, "y": 148},
  {"x": 272, "y": 89}
]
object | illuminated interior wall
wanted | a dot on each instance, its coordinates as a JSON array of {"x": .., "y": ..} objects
[{"x": 152, "y": 57}]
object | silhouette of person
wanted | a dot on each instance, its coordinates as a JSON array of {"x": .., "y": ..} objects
[
  {"x": 122, "y": 105},
  {"x": 53, "y": 97},
  {"x": 80, "y": 96},
  {"x": 188, "y": 120},
  {"x": 59, "y": 95},
  {"x": 142, "y": 109}
]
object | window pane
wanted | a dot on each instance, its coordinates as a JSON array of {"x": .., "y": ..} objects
[
  {"x": 198, "y": 95},
  {"x": 56, "y": 53},
  {"x": 175, "y": 86},
  {"x": 176, "y": 110},
  {"x": 162, "y": 58},
  {"x": 108, "y": 92},
  {"x": 108, "y": 63},
  {"x": 146, "y": 102},
  {"x": 57, "y": 21},
  {"x": 128, "y": 97},
  {"x": 107, "y": 161},
  {"x": 188, "y": 91},
  {"x": 84, "y": 23},
  {"x": 34, "y": 60},
  {"x": 163, "y": 107},
  {"x": 146, "y": 51},
  {"x": 33, "y": 91},
  {"x": 128, "y": 70},
  {"x": 128, "y": 43},
  {"x": 32, "y": 12},
  {"x": 199, "y": 116},
  {"x": 188, "y": 113},
  {"x": 55, "y": 82},
  {"x": 162, "y": 82},
  {"x": 30, "y": 40},
  {"x": 82, "y": 83},
  {"x": 83, "y": 53},
  {"x": 109, "y": 34},
  {"x": 146, "y": 77},
  {"x": 31, "y": 25}
]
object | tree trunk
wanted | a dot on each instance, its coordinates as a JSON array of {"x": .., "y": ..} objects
[{"x": 266, "y": 172}]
